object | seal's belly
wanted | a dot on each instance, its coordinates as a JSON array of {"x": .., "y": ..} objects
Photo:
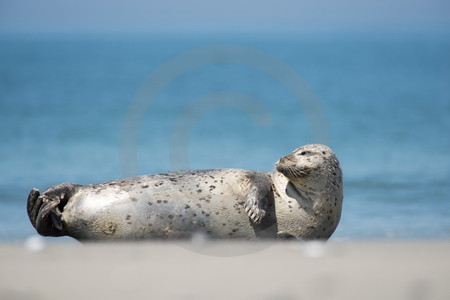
[{"x": 161, "y": 206}]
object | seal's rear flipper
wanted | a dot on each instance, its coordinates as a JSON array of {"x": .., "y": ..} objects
[
  {"x": 44, "y": 210},
  {"x": 33, "y": 204}
]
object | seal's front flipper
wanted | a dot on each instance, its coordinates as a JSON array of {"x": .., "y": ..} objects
[
  {"x": 255, "y": 206},
  {"x": 259, "y": 197}
]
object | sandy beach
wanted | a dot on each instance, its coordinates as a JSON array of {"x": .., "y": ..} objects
[{"x": 226, "y": 270}]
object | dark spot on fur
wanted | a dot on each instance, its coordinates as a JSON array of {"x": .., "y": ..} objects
[
  {"x": 186, "y": 206},
  {"x": 165, "y": 201},
  {"x": 133, "y": 199},
  {"x": 234, "y": 230},
  {"x": 128, "y": 217},
  {"x": 149, "y": 203},
  {"x": 223, "y": 224},
  {"x": 323, "y": 152},
  {"x": 199, "y": 191},
  {"x": 207, "y": 215},
  {"x": 173, "y": 179},
  {"x": 211, "y": 187},
  {"x": 144, "y": 186},
  {"x": 159, "y": 201},
  {"x": 170, "y": 216}
]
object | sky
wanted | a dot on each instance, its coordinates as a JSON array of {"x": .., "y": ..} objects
[{"x": 114, "y": 16}]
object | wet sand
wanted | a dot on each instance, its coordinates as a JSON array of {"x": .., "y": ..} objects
[{"x": 226, "y": 270}]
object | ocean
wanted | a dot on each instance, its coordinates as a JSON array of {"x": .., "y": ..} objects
[{"x": 88, "y": 109}]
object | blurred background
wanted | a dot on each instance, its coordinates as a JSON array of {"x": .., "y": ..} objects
[{"x": 72, "y": 74}]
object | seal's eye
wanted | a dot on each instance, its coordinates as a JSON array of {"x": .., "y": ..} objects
[{"x": 305, "y": 153}]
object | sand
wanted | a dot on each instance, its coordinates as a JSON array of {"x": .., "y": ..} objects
[{"x": 226, "y": 270}]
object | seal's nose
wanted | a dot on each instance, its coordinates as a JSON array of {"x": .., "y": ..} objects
[{"x": 287, "y": 158}]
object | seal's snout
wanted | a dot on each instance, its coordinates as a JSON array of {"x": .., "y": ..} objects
[
  {"x": 286, "y": 159},
  {"x": 285, "y": 163}
]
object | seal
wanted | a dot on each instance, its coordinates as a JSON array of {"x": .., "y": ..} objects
[{"x": 301, "y": 199}]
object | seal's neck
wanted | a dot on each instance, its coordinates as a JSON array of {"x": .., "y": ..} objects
[{"x": 288, "y": 189}]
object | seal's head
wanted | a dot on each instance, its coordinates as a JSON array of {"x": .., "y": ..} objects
[{"x": 315, "y": 164}]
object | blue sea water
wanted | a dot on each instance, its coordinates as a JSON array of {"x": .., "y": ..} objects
[{"x": 81, "y": 109}]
